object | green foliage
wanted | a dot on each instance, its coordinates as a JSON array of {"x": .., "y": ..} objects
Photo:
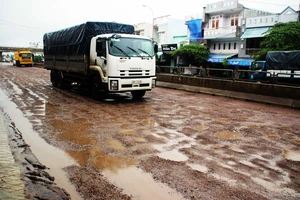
[
  {"x": 281, "y": 37},
  {"x": 225, "y": 62},
  {"x": 194, "y": 52}
]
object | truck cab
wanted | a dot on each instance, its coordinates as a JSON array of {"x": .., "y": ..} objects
[
  {"x": 259, "y": 70},
  {"x": 126, "y": 62}
]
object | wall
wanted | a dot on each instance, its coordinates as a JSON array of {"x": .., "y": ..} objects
[{"x": 283, "y": 93}]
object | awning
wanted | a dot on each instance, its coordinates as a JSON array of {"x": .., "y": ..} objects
[
  {"x": 240, "y": 61},
  {"x": 218, "y": 58},
  {"x": 255, "y": 32}
]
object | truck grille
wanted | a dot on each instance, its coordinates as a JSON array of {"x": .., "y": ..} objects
[{"x": 134, "y": 72}]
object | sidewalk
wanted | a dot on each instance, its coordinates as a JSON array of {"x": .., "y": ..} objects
[{"x": 11, "y": 185}]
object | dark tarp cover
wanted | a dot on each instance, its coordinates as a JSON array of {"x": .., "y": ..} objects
[
  {"x": 76, "y": 40},
  {"x": 195, "y": 27},
  {"x": 287, "y": 60}
]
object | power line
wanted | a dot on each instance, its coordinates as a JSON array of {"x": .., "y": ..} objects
[{"x": 15, "y": 24}]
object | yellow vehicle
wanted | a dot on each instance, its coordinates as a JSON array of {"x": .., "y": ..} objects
[{"x": 23, "y": 57}]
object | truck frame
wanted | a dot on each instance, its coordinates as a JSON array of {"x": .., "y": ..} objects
[{"x": 105, "y": 57}]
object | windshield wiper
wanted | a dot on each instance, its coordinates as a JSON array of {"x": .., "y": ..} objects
[
  {"x": 122, "y": 51},
  {"x": 145, "y": 52},
  {"x": 137, "y": 53}
]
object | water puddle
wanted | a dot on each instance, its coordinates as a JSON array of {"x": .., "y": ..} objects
[
  {"x": 48, "y": 155},
  {"x": 200, "y": 168},
  {"x": 128, "y": 132},
  {"x": 296, "y": 141},
  {"x": 140, "y": 185},
  {"x": 15, "y": 88},
  {"x": 201, "y": 128},
  {"x": 116, "y": 144},
  {"x": 291, "y": 155},
  {"x": 229, "y": 135},
  {"x": 139, "y": 139},
  {"x": 275, "y": 137},
  {"x": 173, "y": 155},
  {"x": 223, "y": 120},
  {"x": 272, "y": 186},
  {"x": 93, "y": 157},
  {"x": 150, "y": 122}
]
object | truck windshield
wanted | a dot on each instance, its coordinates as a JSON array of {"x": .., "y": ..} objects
[
  {"x": 132, "y": 47},
  {"x": 25, "y": 55},
  {"x": 257, "y": 65}
]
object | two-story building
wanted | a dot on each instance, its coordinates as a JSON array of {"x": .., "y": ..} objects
[
  {"x": 256, "y": 27},
  {"x": 224, "y": 23}
]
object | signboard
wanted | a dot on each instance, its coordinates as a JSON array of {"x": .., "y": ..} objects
[{"x": 168, "y": 48}]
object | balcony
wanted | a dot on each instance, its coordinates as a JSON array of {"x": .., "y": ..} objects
[{"x": 222, "y": 32}]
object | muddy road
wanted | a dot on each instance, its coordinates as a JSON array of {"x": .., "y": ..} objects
[{"x": 170, "y": 145}]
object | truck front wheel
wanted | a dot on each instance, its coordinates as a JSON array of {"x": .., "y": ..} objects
[{"x": 138, "y": 94}]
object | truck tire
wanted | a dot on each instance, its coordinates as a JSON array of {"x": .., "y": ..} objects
[
  {"x": 138, "y": 94},
  {"x": 53, "y": 78},
  {"x": 60, "y": 80},
  {"x": 95, "y": 88},
  {"x": 18, "y": 64}
]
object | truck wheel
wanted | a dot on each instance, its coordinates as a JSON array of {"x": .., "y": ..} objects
[
  {"x": 95, "y": 89},
  {"x": 60, "y": 80},
  {"x": 18, "y": 63},
  {"x": 53, "y": 78},
  {"x": 138, "y": 94}
]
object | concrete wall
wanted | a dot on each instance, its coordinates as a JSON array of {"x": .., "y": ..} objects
[{"x": 274, "y": 94}]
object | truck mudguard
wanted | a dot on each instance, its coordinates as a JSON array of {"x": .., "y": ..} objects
[
  {"x": 76, "y": 40},
  {"x": 283, "y": 60}
]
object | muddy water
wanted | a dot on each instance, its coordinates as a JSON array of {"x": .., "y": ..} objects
[{"x": 48, "y": 155}]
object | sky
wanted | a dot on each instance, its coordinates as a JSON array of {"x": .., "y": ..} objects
[{"x": 24, "y": 22}]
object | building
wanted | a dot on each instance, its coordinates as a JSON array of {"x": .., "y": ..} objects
[{"x": 256, "y": 27}]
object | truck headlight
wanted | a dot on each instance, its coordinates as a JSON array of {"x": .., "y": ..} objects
[{"x": 114, "y": 85}]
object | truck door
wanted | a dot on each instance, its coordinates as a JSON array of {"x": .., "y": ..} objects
[{"x": 101, "y": 52}]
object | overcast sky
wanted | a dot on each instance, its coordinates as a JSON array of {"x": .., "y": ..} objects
[{"x": 23, "y": 22}]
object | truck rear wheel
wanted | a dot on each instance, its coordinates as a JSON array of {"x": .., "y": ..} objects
[
  {"x": 53, "y": 78},
  {"x": 138, "y": 94}
]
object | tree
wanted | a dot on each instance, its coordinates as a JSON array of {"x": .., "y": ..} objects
[
  {"x": 281, "y": 37},
  {"x": 194, "y": 52}
]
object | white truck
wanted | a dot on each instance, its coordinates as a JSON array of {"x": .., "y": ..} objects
[{"x": 106, "y": 57}]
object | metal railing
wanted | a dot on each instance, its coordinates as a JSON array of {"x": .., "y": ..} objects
[{"x": 232, "y": 74}]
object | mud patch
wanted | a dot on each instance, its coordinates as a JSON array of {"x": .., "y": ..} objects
[{"x": 92, "y": 185}]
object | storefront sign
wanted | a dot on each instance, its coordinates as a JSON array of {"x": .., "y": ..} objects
[{"x": 168, "y": 48}]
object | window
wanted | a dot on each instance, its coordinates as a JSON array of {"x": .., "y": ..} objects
[
  {"x": 229, "y": 45},
  {"x": 234, "y": 20},
  {"x": 214, "y": 46},
  {"x": 234, "y": 45},
  {"x": 215, "y": 22},
  {"x": 219, "y": 46},
  {"x": 224, "y": 45}
]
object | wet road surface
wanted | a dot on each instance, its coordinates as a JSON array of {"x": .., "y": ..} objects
[{"x": 170, "y": 145}]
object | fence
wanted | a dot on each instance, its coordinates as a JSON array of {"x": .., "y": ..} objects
[{"x": 233, "y": 74}]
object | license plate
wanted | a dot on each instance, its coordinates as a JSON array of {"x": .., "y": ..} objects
[{"x": 136, "y": 82}]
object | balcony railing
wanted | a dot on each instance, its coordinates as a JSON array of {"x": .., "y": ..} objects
[{"x": 221, "y": 31}]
